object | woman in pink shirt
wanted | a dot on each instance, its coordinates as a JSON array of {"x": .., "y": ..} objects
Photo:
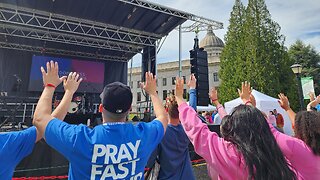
[
  {"x": 248, "y": 149},
  {"x": 303, "y": 150}
]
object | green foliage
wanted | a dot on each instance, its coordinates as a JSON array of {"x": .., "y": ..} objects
[
  {"x": 255, "y": 52},
  {"x": 307, "y": 56}
]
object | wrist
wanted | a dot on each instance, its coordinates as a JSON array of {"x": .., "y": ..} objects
[
  {"x": 49, "y": 85},
  {"x": 287, "y": 108},
  {"x": 67, "y": 91},
  {"x": 215, "y": 101},
  {"x": 245, "y": 100},
  {"x": 248, "y": 103},
  {"x": 153, "y": 93}
]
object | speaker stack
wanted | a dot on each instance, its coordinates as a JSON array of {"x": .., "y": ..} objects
[{"x": 199, "y": 67}]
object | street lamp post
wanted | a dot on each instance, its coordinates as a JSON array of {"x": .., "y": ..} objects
[{"x": 297, "y": 68}]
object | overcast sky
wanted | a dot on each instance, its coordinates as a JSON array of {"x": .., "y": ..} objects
[{"x": 299, "y": 19}]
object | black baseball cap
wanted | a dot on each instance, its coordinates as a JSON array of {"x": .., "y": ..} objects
[{"x": 116, "y": 98}]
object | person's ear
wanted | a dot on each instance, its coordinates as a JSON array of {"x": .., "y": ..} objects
[{"x": 100, "y": 108}]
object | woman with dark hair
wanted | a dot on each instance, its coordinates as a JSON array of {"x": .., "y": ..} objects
[
  {"x": 247, "y": 150},
  {"x": 303, "y": 150}
]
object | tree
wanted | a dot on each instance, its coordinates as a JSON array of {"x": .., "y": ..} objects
[
  {"x": 307, "y": 56},
  {"x": 232, "y": 54},
  {"x": 257, "y": 53}
]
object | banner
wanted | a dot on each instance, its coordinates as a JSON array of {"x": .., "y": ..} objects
[{"x": 307, "y": 86}]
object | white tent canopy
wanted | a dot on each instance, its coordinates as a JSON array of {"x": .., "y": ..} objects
[
  {"x": 265, "y": 103},
  {"x": 205, "y": 108}
]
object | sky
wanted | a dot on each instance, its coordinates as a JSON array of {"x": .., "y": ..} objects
[{"x": 298, "y": 19}]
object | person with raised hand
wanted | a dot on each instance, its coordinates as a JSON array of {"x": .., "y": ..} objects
[
  {"x": 14, "y": 146},
  {"x": 113, "y": 150},
  {"x": 314, "y": 104},
  {"x": 192, "y": 84},
  {"x": 150, "y": 86},
  {"x": 247, "y": 149},
  {"x": 303, "y": 150},
  {"x": 174, "y": 145}
]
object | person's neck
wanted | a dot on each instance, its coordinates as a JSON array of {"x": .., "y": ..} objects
[
  {"x": 174, "y": 122},
  {"x": 113, "y": 120}
]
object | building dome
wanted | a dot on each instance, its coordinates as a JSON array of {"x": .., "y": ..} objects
[{"x": 211, "y": 40}]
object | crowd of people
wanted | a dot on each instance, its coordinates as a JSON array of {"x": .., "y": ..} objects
[{"x": 251, "y": 145}]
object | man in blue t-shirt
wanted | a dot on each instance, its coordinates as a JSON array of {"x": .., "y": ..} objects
[
  {"x": 14, "y": 146},
  {"x": 174, "y": 145},
  {"x": 114, "y": 150}
]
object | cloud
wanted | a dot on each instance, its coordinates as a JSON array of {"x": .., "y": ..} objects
[{"x": 298, "y": 20}]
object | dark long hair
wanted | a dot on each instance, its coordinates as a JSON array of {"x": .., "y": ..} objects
[
  {"x": 249, "y": 131},
  {"x": 307, "y": 128}
]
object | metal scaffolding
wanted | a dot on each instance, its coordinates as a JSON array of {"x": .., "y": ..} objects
[
  {"x": 22, "y": 22},
  {"x": 38, "y": 34},
  {"x": 198, "y": 20},
  {"x": 60, "y": 52}
]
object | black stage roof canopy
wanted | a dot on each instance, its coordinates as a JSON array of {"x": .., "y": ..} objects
[{"x": 100, "y": 29}]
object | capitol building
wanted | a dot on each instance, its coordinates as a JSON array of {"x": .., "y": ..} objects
[{"x": 166, "y": 72}]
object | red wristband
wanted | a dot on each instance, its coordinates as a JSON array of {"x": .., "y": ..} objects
[
  {"x": 213, "y": 100},
  {"x": 50, "y": 85},
  {"x": 248, "y": 103}
]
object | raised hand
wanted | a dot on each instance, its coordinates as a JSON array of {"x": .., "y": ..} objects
[
  {"x": 313, "y": 103},
  {"x": 318, "y": 99},
  {"x": 150, "y": 85},
  {"x": 284, "y": 102},
  {"x": 213, "y": 94},
  {"x": 179, "y": 87},
  {"x": 245, "y": 92},
  {"x": 253, "y": 100},
  {"x": 51, "y": 76},
  {"x": 311, "y": 95},
  {"x": 71, "y": 84},
  {"x": 192, "y": 84}
]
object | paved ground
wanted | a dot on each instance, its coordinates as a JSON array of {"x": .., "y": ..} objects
[{"x": 200, "y": 172}]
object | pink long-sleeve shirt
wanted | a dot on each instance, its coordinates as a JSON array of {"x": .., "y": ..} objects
[
  {"x": 296, "y": 152},
  {"x": 222, "y": 157},
  {"x": 299, "y": 155}
]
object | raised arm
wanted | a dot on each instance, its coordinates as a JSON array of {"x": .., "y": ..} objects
[
  {"x": 51, "y": 80},
  {"x": 150, "y": 86},
  {"x": 192, "y": 84},
  {"x": 284, "y": 103},
  {"x": 313, "y": 103},
  {"x": 199, "y": 134},
  {"x": 213, "y": 94},
  {"x": 71, "y": 85}
]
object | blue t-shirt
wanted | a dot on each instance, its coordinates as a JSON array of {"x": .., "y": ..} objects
[
  {"x": 14, "y": 146},
  {"x": 173, "y": 155},
  {"x": 318, "y": 107},
  {"x": 109, "y": 151}
]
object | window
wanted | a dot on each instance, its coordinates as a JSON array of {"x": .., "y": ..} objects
[
  {"x": 215, "y": 77},
  {"x": 184, "y": 79},
  {"x": 184, "y": 93},
  {"x": 138, "y": 96},
  {"x": 164, "y": 81},
  {"x": 164, "y": 94},
  {"x": 138, "y": 84},
  {"x": 173, "y": 80}
]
